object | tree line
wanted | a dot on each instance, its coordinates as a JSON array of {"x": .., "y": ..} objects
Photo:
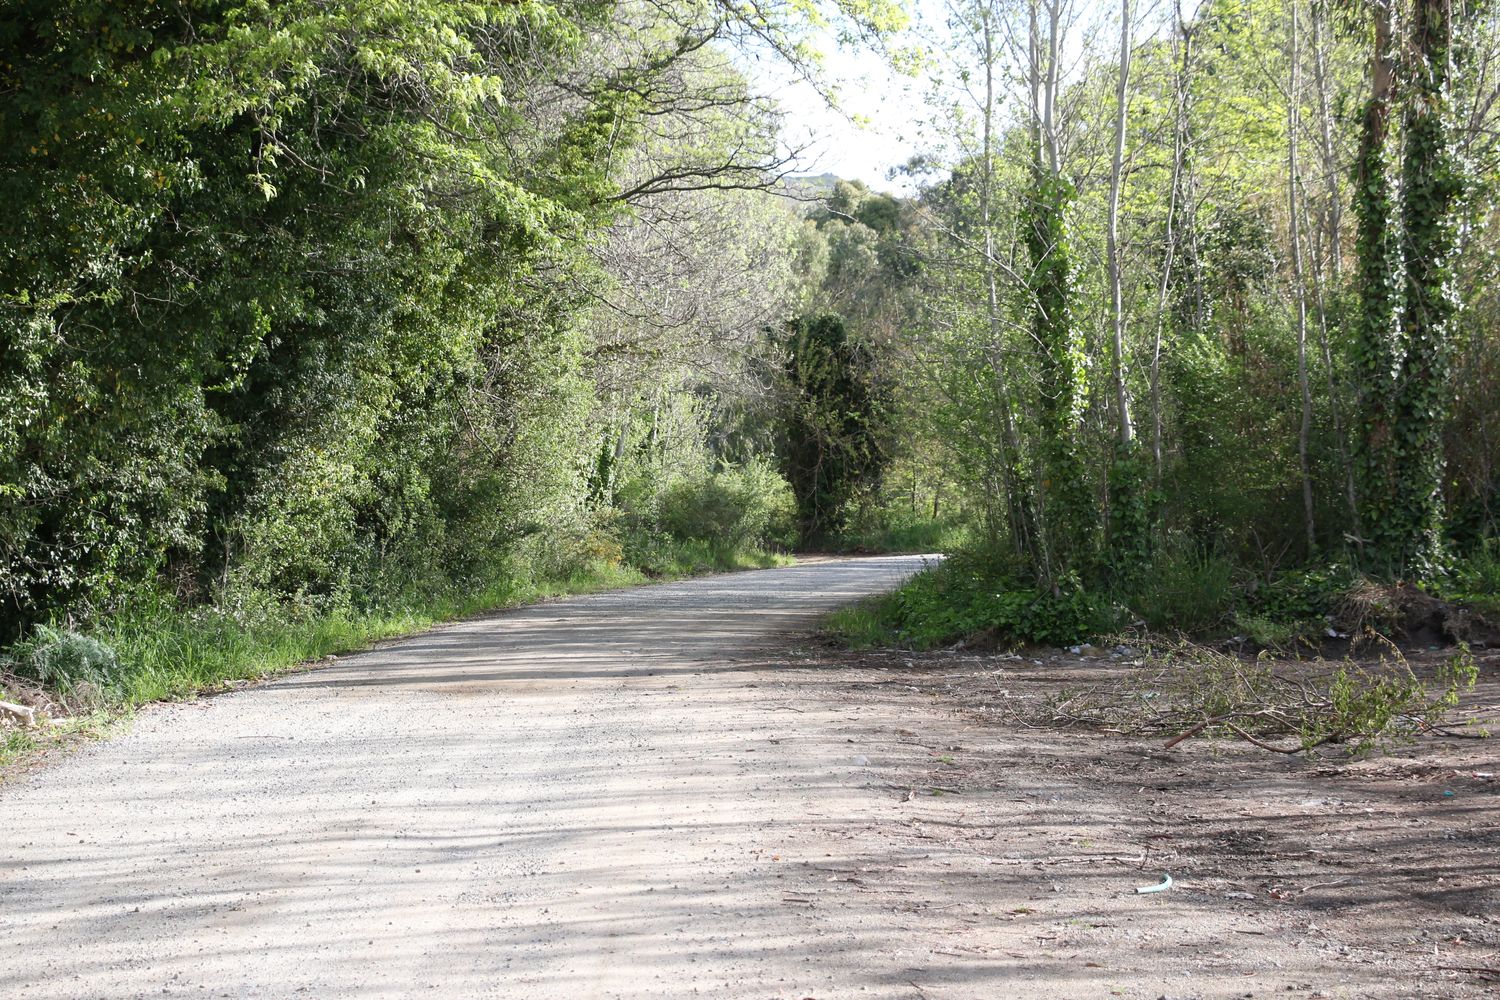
[
  {"x": 334, "y": 305},
  {"x": 317, "y": 309},
  {"x": 1213, "y": 296}
]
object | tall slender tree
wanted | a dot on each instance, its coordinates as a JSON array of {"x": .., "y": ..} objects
[
  {"x": 1021, "y": 532},
  {"x": 1379, "y": 353},
  {"x": 1070, "y": 526},
  {"x": 1126, "y": 427},
  {"x": 1431, "y": 183},
  {"x": 1299, "y": 281},
  {"x": 1128, "y": 501}
]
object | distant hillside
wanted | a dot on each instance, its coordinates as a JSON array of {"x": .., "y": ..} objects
[
  {"x": 806, "y": 192},
  {"x": 812, "y": 185}
]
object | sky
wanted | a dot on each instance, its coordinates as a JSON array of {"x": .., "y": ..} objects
[
  {"x": 878, "y": 125},
  {"x": 884, "y": 117}
]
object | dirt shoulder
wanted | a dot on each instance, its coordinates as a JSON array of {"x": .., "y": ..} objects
[{"x": 1019, "y": 847}]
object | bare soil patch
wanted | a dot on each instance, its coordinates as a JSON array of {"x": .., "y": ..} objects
[{"x": 1331, "y": 876}]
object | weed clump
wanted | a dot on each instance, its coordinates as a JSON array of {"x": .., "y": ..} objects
[
  {"x": 973, "y": 597},
  {"x": 1190, "y": 691},
  {"x": 64, "y": 660}
]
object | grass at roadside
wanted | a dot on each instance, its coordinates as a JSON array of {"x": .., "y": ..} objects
[
  {"x": 155, "y": 651},
  {"x": 965, "y": 597},
  {"x": 903, "y": 536},
  {"x": 1182, "y": 591}
]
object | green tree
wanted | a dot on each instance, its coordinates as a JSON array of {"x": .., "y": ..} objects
[
  {"x": 833, "y": 423},
  {"x": 1408, "y": 266}
]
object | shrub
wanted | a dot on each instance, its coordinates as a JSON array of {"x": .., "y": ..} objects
[
  {"x": 1476, "y": 579},
  {"x": 975, "y": 595},
  {"x": 882, "y": 530},
  {"x": 64, "y": 660},
  {"x": 1305, "y": 595},
  {"x": 1185, "y": 587},
  {"x": 744, "y": 506}
]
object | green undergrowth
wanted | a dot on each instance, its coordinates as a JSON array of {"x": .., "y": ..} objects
[
  {"x": 903, "y": 536},
  {"x": 151, "y": 649},
  {"x": 1183, "y": 590},
  {"x": 167, "y": 653},
  {"x": 1476, "y": 580},
  {"x": 671, "y": 559},
  {"x": 964, "y": 598}
]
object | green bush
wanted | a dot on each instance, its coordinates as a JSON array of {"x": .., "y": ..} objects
[
  {"x": 743, "y": 506},
  {"x": 974, "y": 595},
  {"x": 1476, "y": 579},
  {"x": 1294, "y": 605},
  {"x": 885, "y": 531},
  {"x": 1185, "y": 587},
  {"x": 64, "y": 660}
]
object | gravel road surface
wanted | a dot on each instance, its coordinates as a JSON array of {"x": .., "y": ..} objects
[{"x": 593, "y": 797}]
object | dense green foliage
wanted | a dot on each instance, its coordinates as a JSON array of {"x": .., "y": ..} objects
[
  {"x": 834, "y": 424},
  {"x": 975, "y": 597},
  {"x": 1323, "y": 408},
  {"x": 1068, "y": 521},
  {"x": 274, "y": 297},
  {"x": 320, "y": 321}
]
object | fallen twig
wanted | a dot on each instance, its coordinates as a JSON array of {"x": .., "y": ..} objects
[
  {"x": 1442, "y": 731},
  {"x": 1270, "y": 746},
  {"x": 1195, "y": 730},
  {"x": 1481, "y": 970}
]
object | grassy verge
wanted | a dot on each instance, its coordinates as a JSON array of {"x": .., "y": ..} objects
[
  {"x": 678, "y": 559},
  {"x": 903, "y": 537},
  {"x": 1182, "y": 591},
  {"x": 162, "y": 652},
  {"x": 965, "y": 599}
]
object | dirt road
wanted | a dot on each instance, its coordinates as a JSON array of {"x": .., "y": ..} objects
[
  {"x": 594, "y": 797},
  {"x": 674, "y": 792}
]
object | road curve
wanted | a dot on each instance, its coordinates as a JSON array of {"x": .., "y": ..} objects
[{"x": 586, "y": 798}]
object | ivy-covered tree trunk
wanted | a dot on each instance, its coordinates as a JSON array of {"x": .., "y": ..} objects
[
  {"x": 1063, "y": 377},
  {"x": 1432, "y": 182},
  {"x": 1067, "y": 518},
  {"x": 1379, "y": 353},
  {"x": 1409, "y": 289}
]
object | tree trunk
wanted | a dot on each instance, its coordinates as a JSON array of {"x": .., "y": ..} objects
[
  {"x": 1431, "y": 185},
  {"x": 1015, "y": 505},
  {"x": 1071, "y": 515},
  {"x": 1335, "y": 409},
  {"x": 1332, "y": 169},
  {"x": 1334, "y": 225},
  {"x": 1379, "y": 354},
  {"x": 1299, "y": 283},
  {"x": 1182, "y": 43},
  {"x": 1112, "y": 238}
]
